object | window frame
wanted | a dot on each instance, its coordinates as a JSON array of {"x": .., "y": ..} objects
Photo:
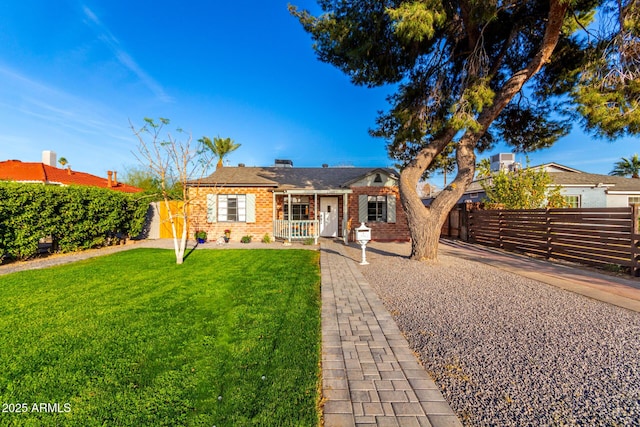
[
  {"x": 377, "y": 209},
  {"x": 578, "y": 198},
  {"x": 634, "y": 202},
  {"x": 239, "y": 209},
  {"x": 299, "y": 207}
]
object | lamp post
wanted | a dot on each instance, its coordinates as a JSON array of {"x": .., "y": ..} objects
[{"x": 363, "y": 236}]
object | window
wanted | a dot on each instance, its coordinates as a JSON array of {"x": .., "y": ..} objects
[
  {"x": 634, "y": 200},
  {"x": 573, "y": 201},
  {"x": 377, "y": 208},
  {"x": 299, "y": 208},
  {"x": 232, "y": 207}
]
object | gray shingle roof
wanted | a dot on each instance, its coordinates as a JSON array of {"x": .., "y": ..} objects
[
  {"x": 591, "y": 179},
  {"x": 289, "y": 178}
]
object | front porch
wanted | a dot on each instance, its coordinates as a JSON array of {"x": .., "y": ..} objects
[
  {"x": 296, "y": 230},
  {"x": 310, "y": 214}
]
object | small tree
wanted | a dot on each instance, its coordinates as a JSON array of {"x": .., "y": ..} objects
[
  {"x": 172, "y": 160},
  {"x": 146, "y": 179},
  {"x": 483, "y": 168},
  {"x": 627, "y": 167},
  {"x": 523, "y": 189},
  {"x": 63, "y": 161},
  {"x": 427, "y": 189}
]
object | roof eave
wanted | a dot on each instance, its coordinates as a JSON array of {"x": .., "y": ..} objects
[
  {"x": 387, "y": 172},
  {"x": 227, "y": 185}
]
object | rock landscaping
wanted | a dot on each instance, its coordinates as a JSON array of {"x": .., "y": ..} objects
[{"x": 510, "y": 351}]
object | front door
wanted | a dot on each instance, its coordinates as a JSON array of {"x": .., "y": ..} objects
[{"x": 329, "y": 217}]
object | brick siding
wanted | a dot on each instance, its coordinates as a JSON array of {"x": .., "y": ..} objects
[
  {"x": 264, "y": 214},
  {"x": 398, "y": 231},
  {"x": 380, "y": 231}
]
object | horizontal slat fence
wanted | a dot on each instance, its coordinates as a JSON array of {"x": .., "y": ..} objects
[{"x": 599, "y": 236}]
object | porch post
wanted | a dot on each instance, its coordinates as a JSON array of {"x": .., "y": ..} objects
[
  {"x": 345, "y": 218},
  {"x": 274, "y": 216},
  {"x": 315, "y": 217},
  {"x": 290, "y": 215}
]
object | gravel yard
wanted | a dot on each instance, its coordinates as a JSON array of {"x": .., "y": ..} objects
[{"x": 510, "y": 351}]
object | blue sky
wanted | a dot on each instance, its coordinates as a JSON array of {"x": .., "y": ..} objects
[{"x": 73, "y": 73}]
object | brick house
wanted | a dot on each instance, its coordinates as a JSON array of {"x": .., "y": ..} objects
[{"x": 298, "y": 203}]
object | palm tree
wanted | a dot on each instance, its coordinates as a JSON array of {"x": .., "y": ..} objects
[
  {"x": 63, "y": 161},
  {"x": 627, "y": 167},
  {"x": 219, "y": 146},
  {"x": 483, "y": 168}
]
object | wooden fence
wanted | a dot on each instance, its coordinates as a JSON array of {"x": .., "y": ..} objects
[{"x": 599, "y": 236}]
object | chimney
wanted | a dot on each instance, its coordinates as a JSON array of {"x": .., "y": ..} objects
[
  {"x": 109, "y": 174},
  {"x": 115, "y": 178},
  {"x": 69, "y": 170},
  {"x": 49, "y": 158}
]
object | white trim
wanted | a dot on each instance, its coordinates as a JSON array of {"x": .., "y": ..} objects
[
  {"x": 345, "y": 218},
  {"x": 623, "y": 193},
  {"x": 296, "y": 192},
  {"x": 329, "y": 216}
]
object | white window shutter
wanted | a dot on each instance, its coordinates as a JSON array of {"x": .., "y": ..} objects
[
  {"x": 391, "y": 208},
  {"x": 251, "y": 208},
  {"x": 212, "y": 209},
  {"x": 223, "y": 205},
  {"x": 242, "y": 207},
  {"x": 363, "y": 208}
]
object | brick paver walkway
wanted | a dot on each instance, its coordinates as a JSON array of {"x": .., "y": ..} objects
[{"x": 370, "y": 376}]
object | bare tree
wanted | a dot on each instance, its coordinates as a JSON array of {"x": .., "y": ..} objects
[{"x": 172, "y": 159}]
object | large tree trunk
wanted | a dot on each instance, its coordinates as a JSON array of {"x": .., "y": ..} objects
[{"x": 425, "y": 223}]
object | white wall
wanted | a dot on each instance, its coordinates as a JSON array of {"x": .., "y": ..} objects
[
  {"x": 590, "y": 197},
  {"x": 617, "y": 200},
  {"x": 369, "y": 181}
]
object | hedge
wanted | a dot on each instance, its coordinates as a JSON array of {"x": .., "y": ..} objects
[{"x": 75, "y": 217}]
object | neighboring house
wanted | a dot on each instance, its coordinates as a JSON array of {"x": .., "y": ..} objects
[
  {"x": 47, "y": 173},
  {"x": 298, "y": 203},
  {"x": 580, "y": 189}
]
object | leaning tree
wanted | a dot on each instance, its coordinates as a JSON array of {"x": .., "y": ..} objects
[{"x": 474, "y": 72}]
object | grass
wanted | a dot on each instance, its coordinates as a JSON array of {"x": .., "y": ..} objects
[{"x": 230, "y": 338}]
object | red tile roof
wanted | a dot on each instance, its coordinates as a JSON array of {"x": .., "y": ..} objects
[{"x": 15, "y": 170}]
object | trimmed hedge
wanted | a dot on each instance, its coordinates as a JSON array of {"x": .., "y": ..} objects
[{"x": 75, "y": 217}]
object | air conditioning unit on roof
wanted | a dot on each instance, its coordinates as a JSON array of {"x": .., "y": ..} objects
[{"x": 502, "y": 161}]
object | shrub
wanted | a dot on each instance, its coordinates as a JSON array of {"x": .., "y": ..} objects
[
  {"x": 246, "y": 239},
  {"x": 266, "y": 238},
  {"x": 75, "y": 217},
  {"x": 522, "y": 189},
  {"x": 309, "y": 242}
]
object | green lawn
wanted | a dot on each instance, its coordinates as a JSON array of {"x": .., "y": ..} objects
[{"x": 230, "y": 338}]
